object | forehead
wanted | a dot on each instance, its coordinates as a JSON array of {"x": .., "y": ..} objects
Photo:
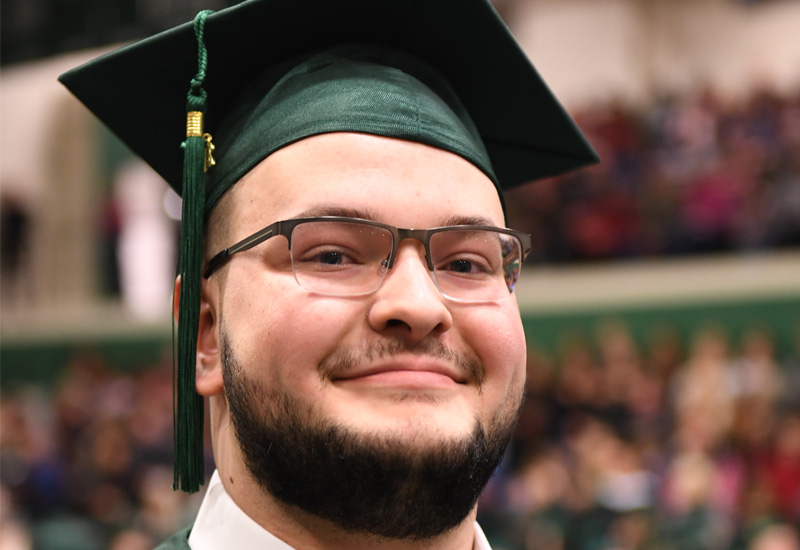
[{"x": 398, "y": 182}]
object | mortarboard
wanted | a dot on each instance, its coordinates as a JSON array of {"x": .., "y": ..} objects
[{"x": 140, "y": 93}]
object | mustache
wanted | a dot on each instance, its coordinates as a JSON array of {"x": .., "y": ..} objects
[{"x": 346, "y": 360}]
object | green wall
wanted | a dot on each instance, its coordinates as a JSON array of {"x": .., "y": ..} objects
[{"x": 780, "y": 315}]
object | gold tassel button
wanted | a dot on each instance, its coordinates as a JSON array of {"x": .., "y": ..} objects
[
  {"x": 194, "y": 124},
  {"x": 194, "y": 128}
]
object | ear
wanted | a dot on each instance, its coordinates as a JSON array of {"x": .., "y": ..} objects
[{"x": 208, "y": 377}]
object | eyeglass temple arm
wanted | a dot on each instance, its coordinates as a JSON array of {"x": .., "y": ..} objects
[
  {"x": 525, "y": 240},
  {"x": 218, "y": 260}
]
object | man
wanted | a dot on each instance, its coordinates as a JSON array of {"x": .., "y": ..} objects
[{"x": 355, "y": 330}]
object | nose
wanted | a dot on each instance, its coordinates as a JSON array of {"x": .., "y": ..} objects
[{"x": 408, "y": 303}]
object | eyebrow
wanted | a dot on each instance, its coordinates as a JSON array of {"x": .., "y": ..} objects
[
  {"x": 469, "y": 220},
  {"x": 371, "y": 215},
  {"x": 339, "y": 211}
]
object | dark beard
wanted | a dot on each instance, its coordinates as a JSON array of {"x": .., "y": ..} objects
[{"x": 360, "y": 483}]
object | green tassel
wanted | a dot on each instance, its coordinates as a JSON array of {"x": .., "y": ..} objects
[{"x": 189, "y": 416}]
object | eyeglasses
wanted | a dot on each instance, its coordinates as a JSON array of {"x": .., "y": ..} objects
[{"x": 340, "y": 256}]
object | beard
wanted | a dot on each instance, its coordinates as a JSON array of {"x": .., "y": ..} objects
[{"x": 362, "y": 483}]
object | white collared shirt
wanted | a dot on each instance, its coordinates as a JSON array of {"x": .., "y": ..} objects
[{"x": 221, "y": 523}]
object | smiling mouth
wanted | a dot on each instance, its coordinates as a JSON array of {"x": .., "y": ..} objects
[
  {"x": 391, "y": 361},
  {"x": 415, "y": 373},
  {"x": 410, "y": 382}
]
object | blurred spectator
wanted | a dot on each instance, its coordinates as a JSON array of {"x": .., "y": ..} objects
[
  {"x": 756, "y": 374},
  {"x": 702, "y": 394},
  {"x": 776, "y": 537},
  {"x": 690, "y": 521},
  {"x": 15, "y": 229},
  {"x": 780, "y": 468}
]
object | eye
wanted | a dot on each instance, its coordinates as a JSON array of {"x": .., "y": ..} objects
[
  {"x": 463, "y": 266},
  {"x": 472, "y": 265},
  {"x": 466, "y": 253},
  {"x": 331, "y": 258},
  {"x": 327, "y": 257}
]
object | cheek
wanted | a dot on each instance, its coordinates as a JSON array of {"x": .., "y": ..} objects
[
  {"x": 499, "y": 341},
  {"x": 280, "y": 333}
]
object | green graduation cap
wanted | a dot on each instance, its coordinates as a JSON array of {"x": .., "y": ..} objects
[{"x": 264, "y": 73}]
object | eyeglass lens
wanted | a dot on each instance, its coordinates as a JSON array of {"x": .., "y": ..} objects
[{"x": 346, "y": 258}]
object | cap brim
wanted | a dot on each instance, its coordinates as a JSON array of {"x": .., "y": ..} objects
[{"x": 139, "y": 91}]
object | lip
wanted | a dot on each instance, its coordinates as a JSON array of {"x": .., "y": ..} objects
[{"x": 411, "y": 371}]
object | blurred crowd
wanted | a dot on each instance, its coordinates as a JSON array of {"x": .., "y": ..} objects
[
  {"x": 689, "y": 175},
  {"x": 87, "y": 464},
  {"x": 661, "y": 445},
  {"x": 657, "y": 446}
]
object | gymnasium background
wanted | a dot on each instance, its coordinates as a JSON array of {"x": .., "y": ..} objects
[{"x": 661, "y": 301}]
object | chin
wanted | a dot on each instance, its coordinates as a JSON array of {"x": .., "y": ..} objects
[{"x": 409, "y": 415}]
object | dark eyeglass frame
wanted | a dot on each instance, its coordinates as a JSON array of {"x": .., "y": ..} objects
[{"x": 286, "y": 227}]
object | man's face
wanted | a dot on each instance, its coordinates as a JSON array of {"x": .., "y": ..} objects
[{"x": 404, "y": 365}]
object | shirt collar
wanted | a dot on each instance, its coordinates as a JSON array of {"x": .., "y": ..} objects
[{"x": 221, "y": 523}]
